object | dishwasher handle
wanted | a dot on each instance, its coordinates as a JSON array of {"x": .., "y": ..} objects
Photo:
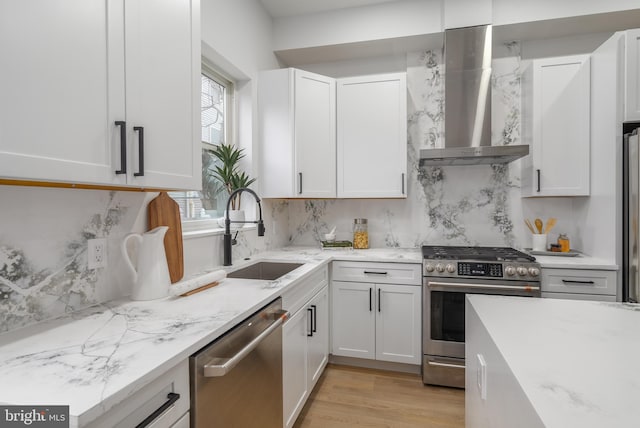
[{"x": 217, "y": 370}]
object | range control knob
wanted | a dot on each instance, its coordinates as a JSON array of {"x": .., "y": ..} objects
[
  {"x": 429, "y": 267},
  {"x": 510, "y": 270},
  {"x": 451, "y": 268},
  {"x": 522, "y": 271},
  {"x": 440, "y": 267},
  {"x": 534, "y": 271}
]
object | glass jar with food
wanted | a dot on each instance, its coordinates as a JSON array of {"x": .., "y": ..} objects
[
  {"x": 563, "y": 241},
  {"x": 360, "y": 234}
]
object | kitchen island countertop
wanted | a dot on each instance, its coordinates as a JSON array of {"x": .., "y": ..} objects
[
  {"x": 94, "y": 359},
  {"x": 572, "y": 363}
]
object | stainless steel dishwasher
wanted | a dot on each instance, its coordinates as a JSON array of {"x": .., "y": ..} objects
[{"x": 236, "y": 381}]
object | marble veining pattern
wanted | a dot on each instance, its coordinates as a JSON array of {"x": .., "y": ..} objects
[{"x": 43, "y": 261}]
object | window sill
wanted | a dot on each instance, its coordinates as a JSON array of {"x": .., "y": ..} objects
[{"x": 208, "y": 228}]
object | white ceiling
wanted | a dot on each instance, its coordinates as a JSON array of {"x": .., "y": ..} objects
[{"x": 280, "y": 8}]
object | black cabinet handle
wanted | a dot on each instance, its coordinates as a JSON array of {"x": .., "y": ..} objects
[
  {"x": 538, "y": 172},
  {"x": 402, "y": 177},
  {"x": 568, "y": 281},
  {"x": 314, "y": 322},
  {"x": 379, "y": 304},
  {"x": 300, "y": 183},
  {"x": 172, "y": 397},
  {"x": 370, "y": 300},
  {"x": 370, "y": 272},
  {"x": 123, "y": 147},
  {"x": 310, "y": 334},
  {"x": 140, "y": 131}
]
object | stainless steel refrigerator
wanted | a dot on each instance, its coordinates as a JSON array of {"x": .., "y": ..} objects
[{"x": 631, "y": 212}]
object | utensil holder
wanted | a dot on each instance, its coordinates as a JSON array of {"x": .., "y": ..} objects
[{"x": 539, "y": 242}]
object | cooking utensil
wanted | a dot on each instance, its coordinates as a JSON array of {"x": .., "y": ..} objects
[
  {"x": 529, "y": 225},
  {"x": 164, "y": 211},
  {"x": 538, "y": 224},
  {"x": 550, "y": 223}
]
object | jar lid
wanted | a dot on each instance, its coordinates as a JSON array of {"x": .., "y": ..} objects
[{"x": 360, "y": 221}]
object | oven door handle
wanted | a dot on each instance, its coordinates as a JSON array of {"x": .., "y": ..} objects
[
  {"x": 483, "y": 286},
  {"x": 450, "y": 366}
]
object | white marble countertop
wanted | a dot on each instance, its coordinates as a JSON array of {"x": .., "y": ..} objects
[
  {"x": 580, "y": 261},
  {"x": 575, "y": 360},
  {"x": 94, "y": 359}
]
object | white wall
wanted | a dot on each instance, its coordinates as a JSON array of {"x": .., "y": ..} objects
[
  {"x": 380, "y": 21},
  {"x": 358, "y": 27},
  {"x": 514, "y": 11}
]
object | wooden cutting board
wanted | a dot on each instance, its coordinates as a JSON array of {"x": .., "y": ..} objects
[{"x": 164, "y": 211}]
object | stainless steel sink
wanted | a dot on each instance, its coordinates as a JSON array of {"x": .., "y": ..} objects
[{"x": 264, "y": 270}]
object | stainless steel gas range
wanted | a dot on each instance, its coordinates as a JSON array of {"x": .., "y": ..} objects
[{"x": 448, "y": 274}]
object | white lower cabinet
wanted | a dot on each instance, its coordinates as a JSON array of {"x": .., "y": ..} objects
[
  {"x": 579, "y": 284},
  {"x": 305, "y": 347},
  {"x": 172, "y": 386},
  {"x": 376, "y": 320}
]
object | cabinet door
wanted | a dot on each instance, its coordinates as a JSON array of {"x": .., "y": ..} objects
[
  {"x": 318, "y": 349},
  {"x": 56, "y": 110},
  {"x": 353, "y": 319},
  {"x": 372, "y": 136},
  {"x": 398, "y": 323},
  {"x": 632, "y": 90},
  {"x": 162, "y": 81},
  {"x": 294, "y": 364},
  {"x": 561, "y": 126},
  {"x": 315, "y": 135}
]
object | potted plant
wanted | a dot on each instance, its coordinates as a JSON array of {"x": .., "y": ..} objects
[
  {"x": 229, "y": 175},
  {"x": 211, "y": 186}
]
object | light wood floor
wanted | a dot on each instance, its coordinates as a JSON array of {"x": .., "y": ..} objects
[{"x": 351, "y": 397}]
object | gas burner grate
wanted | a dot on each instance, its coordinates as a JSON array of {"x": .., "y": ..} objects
[{"x": 435, "y": 252}]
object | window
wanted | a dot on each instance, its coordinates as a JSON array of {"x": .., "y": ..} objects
[{"x": 216, "y": 106}]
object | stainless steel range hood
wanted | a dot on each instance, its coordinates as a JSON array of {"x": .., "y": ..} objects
[{"x": 467, "y": 133}]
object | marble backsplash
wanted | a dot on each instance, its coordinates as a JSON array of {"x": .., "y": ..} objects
[
  {"x": 454, "y": 205},
  {"x": 43, "y": 250}
]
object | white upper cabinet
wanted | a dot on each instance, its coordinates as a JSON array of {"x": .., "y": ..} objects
[
  {"x": 557, "y": 126},
  {"x": 297, "y": 121},
  {"x": 632, "y": 72},
  {"x": 162, "y": 45},
  {"x": 54, "y": 108},
  {"x": 372, "y": 136},
  {"x": 67, "y": 81}
]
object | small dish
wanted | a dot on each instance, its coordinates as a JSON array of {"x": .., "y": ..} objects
[{"x": 329, "y": 237}]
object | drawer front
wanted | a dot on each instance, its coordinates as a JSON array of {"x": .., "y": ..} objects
[
  {"x": 576, "y": 296},
  {"x": 380, "y": 273},
  {"x": 143, "y": 403},
  {"x": 579, "y": 281},
  {"x": 297, "y": 296}
]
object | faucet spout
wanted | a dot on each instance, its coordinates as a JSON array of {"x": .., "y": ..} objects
[{"x": 228, "y": 242}]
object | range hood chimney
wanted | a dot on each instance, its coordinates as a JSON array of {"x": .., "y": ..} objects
[{"x": 467, "y": 117}]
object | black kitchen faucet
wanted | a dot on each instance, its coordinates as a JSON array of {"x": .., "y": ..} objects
[{"x": 228, "y": 241}]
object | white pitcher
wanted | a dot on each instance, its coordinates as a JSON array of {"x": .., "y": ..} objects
[{"x": 149, "y": 267}]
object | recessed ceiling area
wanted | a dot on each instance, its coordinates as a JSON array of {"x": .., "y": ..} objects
[{"x": 283, "y": 8}]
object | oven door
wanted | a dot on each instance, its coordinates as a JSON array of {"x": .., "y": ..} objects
[{"x": 443, "y": 309}]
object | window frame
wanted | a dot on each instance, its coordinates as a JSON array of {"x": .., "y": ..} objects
[{"x": 210, "y": 226}]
